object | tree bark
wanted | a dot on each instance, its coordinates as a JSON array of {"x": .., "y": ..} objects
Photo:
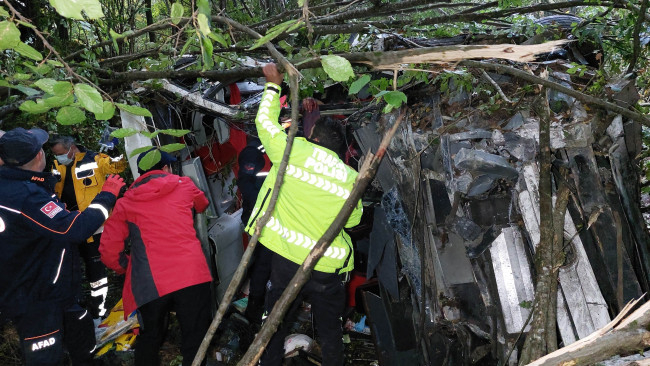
[
  {"x": 624, "y": 335},
  {"x": 535, "y": 345},
  {"x": 149, "y": 16},
  {"x": 549, "y": 255},
  {"x": 636, "y": 44}
]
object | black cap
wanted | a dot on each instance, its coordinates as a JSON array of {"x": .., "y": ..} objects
[
  {"x": 19, "y": 146},
  {"x": 165, "y": 159}
]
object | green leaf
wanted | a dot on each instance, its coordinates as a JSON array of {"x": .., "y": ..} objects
[
  {"x": 5, "y": 83},
  {"x": 115, "y": 35},
  {"x": 55, "y": 63},
  {"x": 62, "y": 89},
  {"x": 150, "y": 159},
  {"x": 358, "y": 84},
  {"x": 28, "y": 51},
  {"x": 204, "y": 25},
  {"x": 46, "y": 85},
  {"x": 73, "y": 8},
  {"x": 41, "y": 69},
  {"x": 32, "y": 107},
  {"x": 124, "y": 132},
  {"x": 217, "y": 37},
  {"x": 208, "y": 61},
  {"x": 138, "y": 111},
  {"x": 70, "y": 115},
  {"x": 295, "y": 26},
  {"x": 9, "y": 35},
  {"x": 395, "y": 98},
  {"x": 387, "y": 108},
  {"x": 3, "y": 12},
  {"x": 190, "y": 41},
  {"x": 285, "y": 46},
  {"x": 204, "y": 7},
  {"x": 301, "y": 3},
  {"x": 174, "y": 132},
  {"x": 150, "y": 134},
  {"x": 139, "y": 151},
  {"x": 89, "y": 98},
  {"x": 26, "y": 90},
  {"x": 21, "y": 76},
  {"x": 26, "y": 24},
  {"x": 177, "y": 12},
  {"x": 59, "y": 100},
  {"x": 108, "y": 110},
  {"x": 337, "y": 68},
  {"x": 172, "y": 147},
  {"x": 273, "y": 32}
]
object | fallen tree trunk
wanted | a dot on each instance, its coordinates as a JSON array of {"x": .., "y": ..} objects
[
  {"x": 621, "y": 336},
  {"x": 385, "y": 60}
]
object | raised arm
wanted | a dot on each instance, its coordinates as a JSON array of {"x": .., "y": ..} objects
[{"x": 269, "y": 130}]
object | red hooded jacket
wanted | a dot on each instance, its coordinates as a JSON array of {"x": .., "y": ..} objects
[{"x": 155, "y": 217}]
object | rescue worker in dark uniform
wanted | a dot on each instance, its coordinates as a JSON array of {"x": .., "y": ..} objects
[
  {"x": 82, "y": 173},
  {"x": 38, "y": 285}
]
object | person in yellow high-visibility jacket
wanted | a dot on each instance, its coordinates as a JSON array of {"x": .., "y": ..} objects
[
  {"x": 82, "y": 174},
  {"x": 316, "y": 185}
]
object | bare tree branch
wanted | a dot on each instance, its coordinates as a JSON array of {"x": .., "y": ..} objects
[
  {"x": 459, "y": 17},
  {"x": 549, "y": 84},
  {"x": 636, "y": 44}
]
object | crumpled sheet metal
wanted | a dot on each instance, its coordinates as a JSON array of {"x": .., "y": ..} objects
[{"x": 401, "y": 224}]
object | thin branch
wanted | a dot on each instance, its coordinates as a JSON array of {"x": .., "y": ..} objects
[
  {"x": 162, "y": 24},
  {"x": 129, "y": 57},
  {"x": 636, "y": 44},
  {"x": 358, "y": 27},
  {"x": 282, "y": 16},
  {"x": 495, "y": 86},
  {"x": 274, "y": 319},
  {"x": 409, "y": 5},
  {"x": 570, "y": 92}
]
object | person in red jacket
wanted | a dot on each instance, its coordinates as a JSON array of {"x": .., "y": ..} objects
[{"x": 166, "y": 269}]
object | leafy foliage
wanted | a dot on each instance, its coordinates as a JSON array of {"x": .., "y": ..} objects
[{"x": 80, "y": 82}]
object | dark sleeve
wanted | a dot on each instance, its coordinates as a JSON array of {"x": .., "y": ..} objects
[{"x": 45, "y": 214}]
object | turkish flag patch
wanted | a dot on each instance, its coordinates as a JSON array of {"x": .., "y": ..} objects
[{"x": 51, "y": 209}]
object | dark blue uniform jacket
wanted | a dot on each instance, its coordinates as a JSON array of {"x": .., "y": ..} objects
[{"x": 37, "y": 240}]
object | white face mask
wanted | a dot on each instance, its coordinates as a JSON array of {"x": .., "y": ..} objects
[{"x": 64, "y": 159}]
